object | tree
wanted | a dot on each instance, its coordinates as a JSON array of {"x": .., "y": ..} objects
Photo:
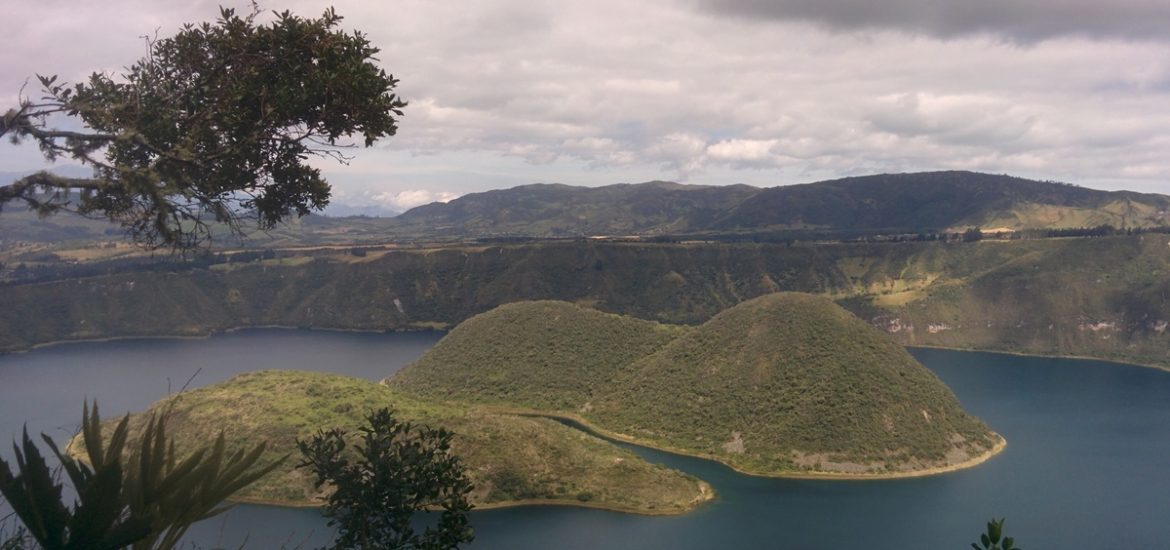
[
  {"x": 143, "y": 497},
  {"x": 993, "y": 539},
  {"x": 214, "y": 125},
  {"x": 398, "y": 469}
]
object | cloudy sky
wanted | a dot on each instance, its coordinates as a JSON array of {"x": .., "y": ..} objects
[{"x": 764, "y": 92}]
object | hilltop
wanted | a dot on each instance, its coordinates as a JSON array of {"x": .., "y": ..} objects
[
  {"x": 792, "y": 382},
  {"x": 547, "y": 355},
  {"x": 510, "y": 459},
  {"x": 783, "y": 384}
]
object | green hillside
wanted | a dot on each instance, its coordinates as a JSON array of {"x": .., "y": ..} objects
[
  {"x": 546, "y": 355},
  {"x": 793, "y": 382},
  {"x": 786, "y": 383},
  {"x": 510, "y": 459}
]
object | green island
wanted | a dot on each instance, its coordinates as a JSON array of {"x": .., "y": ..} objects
[{"x": 787, "y": 384}]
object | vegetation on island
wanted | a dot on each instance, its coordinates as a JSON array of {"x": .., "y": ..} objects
[
  {"x": 783, "y": 384},
  {"x": 508, "y": 459},
  {"x": 546, "y": 355},
  {"x": 792, "y": 382}
]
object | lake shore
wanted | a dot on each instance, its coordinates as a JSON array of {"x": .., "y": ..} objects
[
  {"x": 213, "y": 332},
  {"x": 206, "y": 335},
  {"x": 1133, "y": 363},
  {"x": 706, "y": 494}
]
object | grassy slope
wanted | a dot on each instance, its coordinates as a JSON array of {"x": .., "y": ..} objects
[
  {"x": 786, "y": 372},
  {"x": 509, "y": 458},
  {"x": 790, "y": 382},
  {"x": 545, "y": 355},
  {"x": 1107, "y": 298}
]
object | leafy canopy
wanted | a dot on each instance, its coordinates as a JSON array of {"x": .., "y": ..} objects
[
  {"x": 397, "y": 469},
  {"x": 215, "y": 124}
]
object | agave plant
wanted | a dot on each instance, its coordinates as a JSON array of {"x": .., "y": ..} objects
[{"x": 144, "y": 498}]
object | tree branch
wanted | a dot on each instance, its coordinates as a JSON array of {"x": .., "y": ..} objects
[{"x": 23, "y": 187}]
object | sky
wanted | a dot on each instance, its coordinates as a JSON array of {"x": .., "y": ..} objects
[{"x": 763, "y": 92}]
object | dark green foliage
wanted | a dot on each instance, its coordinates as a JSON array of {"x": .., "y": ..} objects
[
  {"x": 216, "y": 119},
  {"x": 399, "y": 469},
  {"x": 141, "y": 497},
  {"x": 98, "y": 519},
  {"x": 993, "y": 539}
]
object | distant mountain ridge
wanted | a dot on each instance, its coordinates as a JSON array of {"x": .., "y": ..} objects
[{"x": 926, "y": 201}]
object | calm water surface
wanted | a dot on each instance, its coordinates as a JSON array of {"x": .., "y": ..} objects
[{"x": 1086, "y": 465}]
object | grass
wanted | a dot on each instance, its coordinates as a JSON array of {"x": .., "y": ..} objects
[
  {"x": 776, "y": 380},
  {"x": 510, "y": 459},
  {"x": 545, "y": 354}
]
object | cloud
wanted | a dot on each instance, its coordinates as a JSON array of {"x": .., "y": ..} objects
[
  {"x": 1014, "y": 20},
  {"x": 508, "y": 92},
  {"x": 751, "y": 150},
  {"x": 404, "y": 200}
]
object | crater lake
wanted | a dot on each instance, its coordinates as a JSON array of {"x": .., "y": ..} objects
[{"x": 1088, "y": 448}]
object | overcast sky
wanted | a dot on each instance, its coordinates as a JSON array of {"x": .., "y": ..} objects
[{"x": 764, "y": 92}]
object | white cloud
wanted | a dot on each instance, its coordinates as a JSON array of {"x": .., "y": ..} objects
[
  {"x": 411, "y": 198},
  {"x": 742, "y": 149}
]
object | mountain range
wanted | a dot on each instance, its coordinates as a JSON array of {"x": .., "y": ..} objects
[{"x": 918, "y": 202}]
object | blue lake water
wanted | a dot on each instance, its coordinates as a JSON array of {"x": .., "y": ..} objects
[{"x": 1087, "y": 463}]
